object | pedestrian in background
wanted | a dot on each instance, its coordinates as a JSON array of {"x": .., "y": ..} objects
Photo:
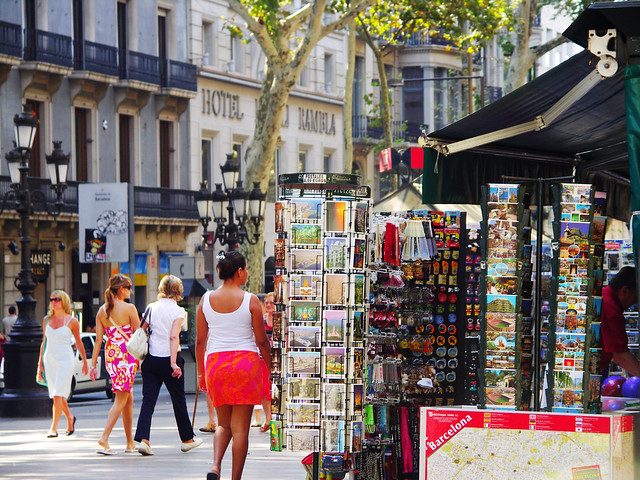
[
  {"x": 230, "y": 332},
  {"x": 57, "y": 360},
  {"x": 163, "y": 364},
  {"x": 8, "y": 322},
  {"x": 118, "y": 320}
]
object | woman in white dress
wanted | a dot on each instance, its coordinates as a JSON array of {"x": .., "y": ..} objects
[{"x": 57, "y": 358}]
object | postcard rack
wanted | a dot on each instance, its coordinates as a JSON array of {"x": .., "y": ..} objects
[
  {"x": 506, "y": 298},
  {"x": 322, "y": 294},
  {"x": 573, "y": 369}
]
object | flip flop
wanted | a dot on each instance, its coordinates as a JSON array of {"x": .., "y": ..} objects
[
  {"x": 73, "y": 426},
  {"x": 106, "y": 451},
  {"x": 130, "y": 450},
  {"x": 264, "y": 428}
]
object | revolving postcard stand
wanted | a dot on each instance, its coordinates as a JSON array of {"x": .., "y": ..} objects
[{"x": 321, "y": 291}]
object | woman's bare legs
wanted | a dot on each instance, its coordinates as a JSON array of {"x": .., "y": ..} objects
[
  {"x": 57, "y": 412},
  {"x": 222, "y": 436},
  {"x": 266, "y": 406},
  {"x": 127, "y": 421},
  {"x": 116, "y": 410},
  {"x": 64, "y": 406},
  {"x": 240, "y": 425}
]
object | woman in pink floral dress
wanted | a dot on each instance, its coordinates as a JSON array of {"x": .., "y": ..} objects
[{"x": 118, "y": 320}]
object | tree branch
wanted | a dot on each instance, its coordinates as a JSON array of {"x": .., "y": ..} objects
[
  {"x": 293, "y": 21},
  {"x": 346, "y": 18},
  {"x": 311, "y": 36},
  {"x": 258, "y": 29},
  {"x": 540, "y": 50}
]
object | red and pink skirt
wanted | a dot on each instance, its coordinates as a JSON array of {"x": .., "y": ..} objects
[{"x": 236, "y": 378}]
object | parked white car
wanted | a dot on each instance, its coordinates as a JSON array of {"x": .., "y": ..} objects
[{"x": 82, "y": 383}]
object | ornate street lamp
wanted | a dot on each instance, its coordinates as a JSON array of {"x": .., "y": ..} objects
[
  {"x": 22, "y": 396},
  {"x": 232, "y": 208}
]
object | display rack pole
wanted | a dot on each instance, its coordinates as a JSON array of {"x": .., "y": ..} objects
[{"x": 536, "y": 347}]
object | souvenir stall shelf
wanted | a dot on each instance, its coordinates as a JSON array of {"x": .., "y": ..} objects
[
  {"x": 321, "y": 288},
  {"x": 574, "y": 365},
  {"x": 416, "y": 329},
  {"x": 506, "y": 289},
  {"x": 473, "y": 327}
]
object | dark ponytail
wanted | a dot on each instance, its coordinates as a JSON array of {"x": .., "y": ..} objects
[
  {"x": 116, "y": 282},
  {"x": 229, "y": 263}
]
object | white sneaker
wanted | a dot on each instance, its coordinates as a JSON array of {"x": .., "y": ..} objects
[
  {"x": 190, "y": 446},
  {"x": 144, "y": 449}
]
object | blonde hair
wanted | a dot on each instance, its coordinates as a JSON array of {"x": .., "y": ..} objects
[
  {"x": 66, "y": 301},
  {"x": 116, "y": 282},
  {"x": 171, "y": 287},
  {"x": 267, "y": 295}
]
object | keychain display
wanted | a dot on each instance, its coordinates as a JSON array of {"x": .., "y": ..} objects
[{"x": 473, "y": 327}]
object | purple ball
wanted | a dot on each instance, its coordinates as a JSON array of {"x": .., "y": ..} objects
[
  {"x": 631, "y": 388},
  {"x": 612, "y": 386},
  {"x": 613, "y": 404}
]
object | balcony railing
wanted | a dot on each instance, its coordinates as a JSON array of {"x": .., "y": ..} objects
[
  {"x": 95, "y": 57},
  {"x": 141, "y": 67},
  {"x": 48, "y": 47},
  {"x": 365, "y": 127},
  {"x": 179, "y": 75},
  {"x": 420, "y": 39},
  {"x": 148, "y": 201},
  {"x": 10, "y": 39}
]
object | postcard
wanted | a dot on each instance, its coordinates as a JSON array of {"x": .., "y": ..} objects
[
  {"x": 304, "y": 337},
  {"x": 501, "y": 351},
  {"x": 276, "y": 361},
  {"x": 334, "y": 362},
  {"x": 500, "y": 322},
  {"x": 279, "y": 252},
  {"x": 305, "y": 234},
  {"x": 279, "y": 214},
  {"x": 334, "y": 396},
  {"x": 500, "y": 390},
  {"x": 305, "y": 285},
  {"x": 502, "y": 285},
  {"x": 334, "y": 435},
  {"x": 357, "y": 436},
  {"x": 334, "y": 325},
  {"x": 336, "y": 216},
  {"x": 305, "y": 210},
  {"x": 574, "y": 233},
  {"x": 357, "y": 363},
  {"x": 305, "y": 311},
  {"x": 299, "y": 388},
  {"x": 358, "y": 326},
  {"x": 361, "y": 218},
  {"x": 503, "y": 211},
  {"x": 358, "y": 293},
  {"x": 335, "y": 253},
  {"x": 571, "y": 380},
  {"x": 276, "y": 332},
  {"x": 358, "y": 249},
  {"x": 335, "y": 289},
  {"x": 276, "y": 399},
  {"x": 304, "y": 363},
  {"x": 501, "y": 303},
  {"x": 357, "y": 398},
  {"x": 598, "y": 224},
  {"x": 303, "y": 439},
  {"x": 501, "y": 267},
  {"x": 303, "y": 414},
  {"x": 279, "y": 288},
  {"x": 567, "y": 399},
  {"x": 305, "y": 260}
]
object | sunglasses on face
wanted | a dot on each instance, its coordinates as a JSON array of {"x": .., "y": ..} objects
[{"x": 55, "y": 299}]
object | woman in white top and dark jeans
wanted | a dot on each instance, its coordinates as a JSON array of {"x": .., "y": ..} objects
[
  {"x": 164, "y": 365},
  {"x": 230, "y": 332}
]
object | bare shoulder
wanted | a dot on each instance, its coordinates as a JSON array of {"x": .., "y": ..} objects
[{"x": 255, "y": 302}]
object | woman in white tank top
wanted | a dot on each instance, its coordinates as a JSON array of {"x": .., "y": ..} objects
[{"x": 230, "y": 333}]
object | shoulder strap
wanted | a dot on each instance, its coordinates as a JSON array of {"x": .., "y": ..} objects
[{"x": 126, "y": 337}]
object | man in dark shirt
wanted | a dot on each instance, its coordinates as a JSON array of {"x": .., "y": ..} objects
[{"x": 620, "y": 294}]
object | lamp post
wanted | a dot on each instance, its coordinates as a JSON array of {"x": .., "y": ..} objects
[
  {"x": 22, "y": 396},
  {"x": 234, "y": 210}
]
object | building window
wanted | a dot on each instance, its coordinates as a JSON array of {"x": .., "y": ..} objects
[
  {"x": 235, "y": 56},
  {"x": 358, "y": 86},
  {"x": 302, "y": 161},
  {"x": 208, "y": 46},
  {"x": 303, "y": 81},
  {"x": 162, "y": 37},
  {"x": 37, "y": 109},
  {"x": 413, "y": 97},
  {"x": 237, "y": 147},
  {"x": 82, "y": 128},
  {"x": 166, "y": 151},
  {"x": 123, "y": 41},
  {"x": 125, "y": 125},
  {"x": 327, "y": 162},
  {"x": 328, "y": 73},
  {"x": 206, "y": 161}
]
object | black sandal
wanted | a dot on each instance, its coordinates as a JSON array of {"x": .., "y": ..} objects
[
  {"x": 213, "y": 476},
  {"x": 73, "y": 426}
]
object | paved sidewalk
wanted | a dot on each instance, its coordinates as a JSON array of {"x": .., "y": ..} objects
[{"x": 26, "y": 453}]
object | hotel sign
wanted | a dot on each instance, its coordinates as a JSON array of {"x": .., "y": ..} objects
[
  {"x": 221, "y": 103},
  {"x": 316, "y": 121}
]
